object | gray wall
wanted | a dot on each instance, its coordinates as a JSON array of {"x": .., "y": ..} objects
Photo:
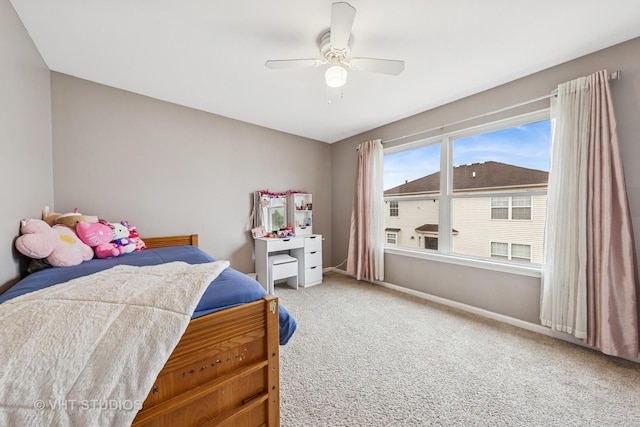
[
  {"x": 173, "y": 170},
  {"x": 508, "y": 294},
  {"x": 25, "y": 136}
]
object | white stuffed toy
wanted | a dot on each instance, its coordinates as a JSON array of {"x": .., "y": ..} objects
[{"x": 121, "y": 237}]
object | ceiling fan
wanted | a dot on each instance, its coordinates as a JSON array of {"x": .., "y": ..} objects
[{"x": 335, "y": 48}]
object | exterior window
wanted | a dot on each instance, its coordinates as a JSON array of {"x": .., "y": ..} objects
[
  {"x": 393, "y": 208},
  {"x": 453, "y": 178},
  {"x": 431, "y": 243},
  {"x": 515, "y": 208},
  {"x": 520, "y": 252},
  {"x": 392, "y": 238},
  {"x": 521, "y": 207},
  {"x": 513, "y": 251},
  {"x": 499, "y": 208},
  {"x": 499, "y": 250}
]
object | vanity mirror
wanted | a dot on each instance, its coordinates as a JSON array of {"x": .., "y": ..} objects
[
  {"x": 270, "y": 210},
  {"x": 275, "y": 213}
]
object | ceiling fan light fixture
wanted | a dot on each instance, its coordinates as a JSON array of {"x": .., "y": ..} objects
[{"x": 335, "y": 76}]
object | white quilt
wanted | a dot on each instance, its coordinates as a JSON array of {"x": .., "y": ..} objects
[{"x": 86, "y": 352}]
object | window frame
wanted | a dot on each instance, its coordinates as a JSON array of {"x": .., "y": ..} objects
[
  {"x": 446, "y": 197},
  {"x": 394, "y": 208}
]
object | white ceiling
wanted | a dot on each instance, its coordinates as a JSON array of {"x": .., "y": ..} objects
[{"x": 210, "y": 54}]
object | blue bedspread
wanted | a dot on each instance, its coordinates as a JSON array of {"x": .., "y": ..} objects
[{"x": 231, "y": 288}]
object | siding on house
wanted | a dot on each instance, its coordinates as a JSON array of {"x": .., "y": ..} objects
[
  {"x": 473, "y": 228},
  {"x": 476, "y": 229}
]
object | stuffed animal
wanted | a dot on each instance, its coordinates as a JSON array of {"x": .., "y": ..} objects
[
  {"x": 49, "y": 217},
  {"x": 59, "y": 245},
  {"x": 134, "y": 236},
  {"x": 121, "y": 237},
  {"x": 73, "y": 218},
  {"x": 98, "y": 236}
]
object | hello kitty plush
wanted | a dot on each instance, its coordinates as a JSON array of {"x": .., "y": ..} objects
[
  {"x": 134, "y": 236},
  {"x": 121, "y": 237},
  {"x": 98, "y": 236}
]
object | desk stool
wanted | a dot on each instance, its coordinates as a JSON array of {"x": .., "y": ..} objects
[{"x": 282, "y": 266}]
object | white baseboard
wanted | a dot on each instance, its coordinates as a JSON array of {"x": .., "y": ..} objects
[{"x": 484, "y": 313}]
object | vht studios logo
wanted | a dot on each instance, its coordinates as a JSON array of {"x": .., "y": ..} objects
[{"x": 86, "y": 405}]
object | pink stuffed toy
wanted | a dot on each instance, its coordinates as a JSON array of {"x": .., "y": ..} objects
[
  {"x": 134, "y": 236},
  {"x": 98, "y": 236},
  {"x": 59, "y": 245}
]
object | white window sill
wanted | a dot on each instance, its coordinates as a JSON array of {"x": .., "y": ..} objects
[{"x": 533, "y": 270}]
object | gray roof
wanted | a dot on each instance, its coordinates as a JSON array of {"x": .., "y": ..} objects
[
  {"x": 432, "y": 228},
  {"x": 476, "y": 176}
]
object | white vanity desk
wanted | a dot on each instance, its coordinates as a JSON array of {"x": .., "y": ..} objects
[{"x": 306, "y": 249}]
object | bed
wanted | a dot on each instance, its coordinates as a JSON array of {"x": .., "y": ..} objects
[{"x": 224, "y": 370}]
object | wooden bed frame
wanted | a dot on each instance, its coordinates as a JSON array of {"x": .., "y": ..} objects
[{"x": 225, "y": 371}]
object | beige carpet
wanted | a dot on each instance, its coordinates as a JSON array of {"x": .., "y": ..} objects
[{"x": 364, "y": 355}]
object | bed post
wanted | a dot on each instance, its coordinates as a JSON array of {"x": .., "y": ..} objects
[{"x": 273, "y": 353}]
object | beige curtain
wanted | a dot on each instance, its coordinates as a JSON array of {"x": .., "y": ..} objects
[
  {"x": 590, "y": 278},
  {"x": 365, "y": 258},
  {"x": 564, "y": 277},
  {"x": 612, "y": 277}
]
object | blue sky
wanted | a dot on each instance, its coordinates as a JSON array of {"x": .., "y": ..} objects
[{"x": 526, "y": 146}]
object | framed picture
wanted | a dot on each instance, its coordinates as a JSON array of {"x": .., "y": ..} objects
[{"x": 258, "y": 232}]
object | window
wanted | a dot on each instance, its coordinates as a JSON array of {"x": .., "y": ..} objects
[
  {"x": 511, "y": 208},
  {"x": 392, "y": 238},
  {"x": 393, "y": 208},
  {"x": 513, "y": 251},
  {"x": 472, "y": 192},
  {"x": 499, "y": 208},
  {"x": 431, "y": 243},
  {"x": 521, "y": 207},
  {"x": 406, "y": 189},
  {"x": 499, "y": 250},
  {"x": 520, "y": 252}
]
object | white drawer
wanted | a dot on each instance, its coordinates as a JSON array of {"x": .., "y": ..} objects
[
  {"x": 303, "y": 231},
  {"x": 313, "y": 259},
  {"x": 283, "y": 244},
  {"x": 313, "y": 243},
  {"x": 282, "y": 271},
  {"x": 312, "y": 276}
]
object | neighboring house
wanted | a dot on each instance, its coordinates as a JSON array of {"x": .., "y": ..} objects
[{"x": 502, "y": 217}]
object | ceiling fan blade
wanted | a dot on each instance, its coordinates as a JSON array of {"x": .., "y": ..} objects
[
  {"x": 293, "y": 63},
  {"x": 342, "y": 16},
  {"x": 383, "y": 66}
]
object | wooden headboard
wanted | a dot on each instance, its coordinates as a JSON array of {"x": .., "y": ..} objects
[{"x": 163, "y": 242}]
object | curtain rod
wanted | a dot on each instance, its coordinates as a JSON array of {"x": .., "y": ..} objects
[{"x": 616, "y": 75}]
